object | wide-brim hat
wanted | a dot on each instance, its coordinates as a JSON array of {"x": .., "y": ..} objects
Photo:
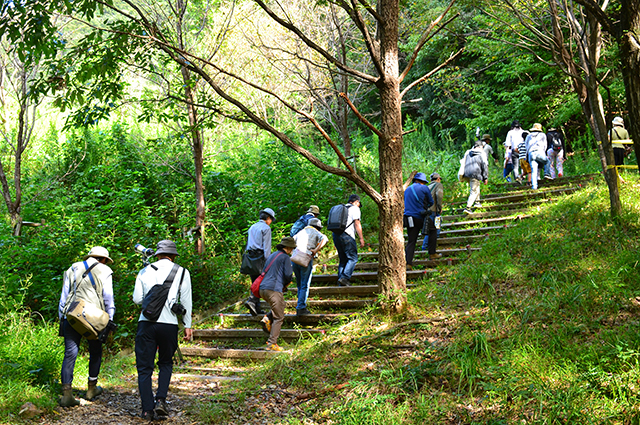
[
  {"x": 288, "y": 242},
  {"x": 486, "y": 137},
  {"x": 166, "y": 247},
  {"x": 313, "y": 209},
  {"x": 421, "y": 177},
  {"x": 618, "y": 121},
  {"x": 99, "y": 251},
  {"x": 435, "y": 176},
  {"x": 315, "y": 222},
  {"x": 269, "y": 211},
  {"x": 536, "y": 127}
]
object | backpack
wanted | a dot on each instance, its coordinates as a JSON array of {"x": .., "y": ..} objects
[
  {"x": 337, "y": 220},
  {"x": 155, "y": 299},
  {"x": 556, "y": 142},
  {"x": 300, "y": 224}
]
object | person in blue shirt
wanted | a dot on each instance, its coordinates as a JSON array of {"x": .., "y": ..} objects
[{"x": 417, "y": 201}]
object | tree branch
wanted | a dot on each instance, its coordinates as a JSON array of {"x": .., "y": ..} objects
[
  {"x": 432, "y": 72},
  {"x": 359, "y": 115},
  {"x": 426, "y": 36}
]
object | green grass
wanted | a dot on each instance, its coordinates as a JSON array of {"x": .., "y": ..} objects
[{"x": 538, "y": 328}]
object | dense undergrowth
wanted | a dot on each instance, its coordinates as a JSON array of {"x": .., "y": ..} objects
[{"x": 540, "y": 327}]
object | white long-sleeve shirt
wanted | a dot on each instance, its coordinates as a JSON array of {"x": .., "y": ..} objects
[{"x": 149, "y": 277}]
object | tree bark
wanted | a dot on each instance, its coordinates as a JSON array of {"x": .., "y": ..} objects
[
  {"x": 630, "y": 56},
  {"x": 392, "y": 273}
]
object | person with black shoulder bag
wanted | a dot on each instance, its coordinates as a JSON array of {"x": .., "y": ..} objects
[
  {"x": 86, "y": 310},
  {"x": 163, "y": 289}
]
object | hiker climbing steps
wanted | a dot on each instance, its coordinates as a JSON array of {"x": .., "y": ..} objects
[{"x": 238, "y": 335}]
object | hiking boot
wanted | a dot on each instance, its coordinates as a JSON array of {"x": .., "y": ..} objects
[
  {"x": 477, "y": 205},
  {"x": 467, "y": 211},
  {"x": 161, "y": 410},
  {"x": 344, "y": 282},
  {"x": 266, "y": 324},
  {"x": 435, "y": 256},
  {"x": 548, "y": 177},
  {"x": 253, "y": 306},
  {"x": 274, "y": 347},
  {"x": 148, "y": 415},
  {"x": 93, "y": 390},
  {"x": 68, "y": 400},
  {"x": 302, "y": 311}
]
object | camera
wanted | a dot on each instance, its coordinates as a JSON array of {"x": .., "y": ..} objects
[
  {"x": 178, "y": 309},
  {"x": 147, "y": 252}
]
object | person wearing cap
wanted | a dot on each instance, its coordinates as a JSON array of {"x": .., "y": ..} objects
[
  {"x": 476, "y": 170},
  {"x": 431, "y": 228},
  {"x": 309, "y": 240},
  {"x": 303, "y": 220},
  {"x": 275, "y": 281},
  {"x": 511, "y": 142},
  {"x": 259, "y": 246},
  {"x": 555, "y": 156},
  {"x": 488, "y": 150},
  {"x": 417, "y": 201},
  {"x": 160, "y": 336},
  {"x": 76, "y": 286},
  {"x": 536, "y": 145},
  {"x": 345, "y": 242},
  {"x": 618, "y": 133}
]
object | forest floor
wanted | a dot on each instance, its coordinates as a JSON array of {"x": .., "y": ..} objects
[{"x": 120, "y": 404}]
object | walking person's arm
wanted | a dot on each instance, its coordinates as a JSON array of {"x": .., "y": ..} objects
[{"x": 358, "y": 227}]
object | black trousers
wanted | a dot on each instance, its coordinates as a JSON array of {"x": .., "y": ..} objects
[
  {"x": 412, "y": 233},
  {"x": 154, "y": 337},
  {"x": 433, "y": 234}
]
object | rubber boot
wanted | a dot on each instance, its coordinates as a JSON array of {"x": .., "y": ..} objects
[
  {"x": 93, "y": 390},
  {"x": 67, "y": 399}
]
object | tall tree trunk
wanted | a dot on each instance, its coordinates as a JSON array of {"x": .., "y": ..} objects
[
  {"x": 630, "y": 56},
  {"x": 392, "y": 271},
  {"x": 196, "y": 138}
]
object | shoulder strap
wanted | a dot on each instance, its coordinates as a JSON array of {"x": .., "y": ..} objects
[
  {"x": 180, "y": 285},
  {"x": 274, "y": 259},
  {"x": 617, "y": 135},
  {"x": 413, "y": 189},
  {"x": 169, "y": 280},
  {"x": 93, "y": 282}
]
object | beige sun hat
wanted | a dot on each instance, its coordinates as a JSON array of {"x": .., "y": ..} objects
[
  {"x": 618, "y": 121},
  {"x": 99, "y": 251},
  {"x": 536, "y": 127}
]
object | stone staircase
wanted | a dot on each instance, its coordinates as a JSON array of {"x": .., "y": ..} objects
[{"x": 237, "y": 335}]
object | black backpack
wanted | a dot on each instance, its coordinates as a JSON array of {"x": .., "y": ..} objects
[
  {"x": 155, "y": 299},
  {"x": 337, "y": 220},
  {"x": 556, "y": 142}
]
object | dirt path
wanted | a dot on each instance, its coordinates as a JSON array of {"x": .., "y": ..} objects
[{"x": 120, "y": 405}]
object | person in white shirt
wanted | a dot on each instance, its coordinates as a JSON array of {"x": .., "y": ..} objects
[
  {"x": 345, "y": 242},
  {"x": 160, "y": 336}
]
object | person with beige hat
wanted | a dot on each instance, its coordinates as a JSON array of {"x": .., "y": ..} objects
[
  {"x": 303, "y": 221},
  {"x": 89, "y": 280},
  {"x": 618, "y": 133},
  {"x": 536, "y": 146}
]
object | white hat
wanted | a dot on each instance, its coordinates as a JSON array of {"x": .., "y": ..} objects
[
  {"x": 99, "y": 251},
  {"x": 618, "y": 121}
]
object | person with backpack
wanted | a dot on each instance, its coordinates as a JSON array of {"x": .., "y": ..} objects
[
  {"x": 555, "y": 153},
  {"x": 475, "y": 169},
  {"x": 89, "y": 280},
  {"x": 277, "y": 276},
  {"x": 618, "y": 133},
  {"x": 160, "y": 335},
  {"x": 536, "y": 145},
  {"x": 511, "y": 142},
  {"x": 303, "y": 220},
  {"x": 431, "y": 227},
  {"x": 417, "y": 201},
  {"x": 258, "y": 249},
  {"x": 309, "y": 241},
  {"x": 344, "y": 222}
]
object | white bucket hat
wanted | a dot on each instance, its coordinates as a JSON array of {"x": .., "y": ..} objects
[
  {"x": 618, "y": 121},
  {"x": 99, "y": 251}
]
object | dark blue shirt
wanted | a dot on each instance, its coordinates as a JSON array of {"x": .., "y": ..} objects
[
  {"x": 279, "y": 274},
  {"x": 417, "y": 199}
]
